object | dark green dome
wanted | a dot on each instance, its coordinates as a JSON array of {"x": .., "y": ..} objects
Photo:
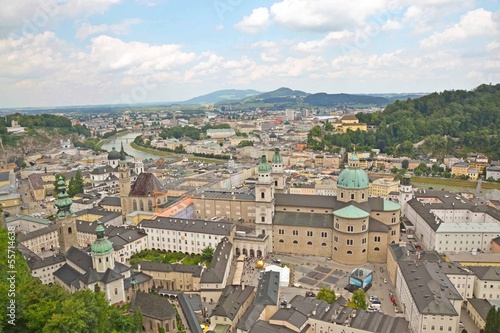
[
  {"x": 264, "y": 167},
  {"x": 101, "y": 245},
  {"x": 277, "y": 158},
  {"x": 353, "y": 177},
  {"x": 114, "y": 154}
]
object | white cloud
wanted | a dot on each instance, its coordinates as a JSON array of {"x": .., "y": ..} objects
[
  {"x": 326, "y": 15},
  {"x": 321, "y": 44},
  {"x": 34, "y": 16},
  {"x": 120, "y": 28},
  {"x": 475, "y": 23},
  {"x": 219, "y": 27},
  {"x": 392, "y": 25},
  {"x": 256, "y": 22},
  {"x": 428, "y": 15}
]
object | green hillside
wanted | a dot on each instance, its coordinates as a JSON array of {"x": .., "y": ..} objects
[{"x": 451, "y": 122}]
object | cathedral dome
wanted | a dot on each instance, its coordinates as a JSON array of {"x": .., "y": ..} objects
[
  {"x": 114, "y": 154},
  {"x": 352, "y": 177},
  {"x": 101, "y": 245},
  {"x": 264, "y": 167}
]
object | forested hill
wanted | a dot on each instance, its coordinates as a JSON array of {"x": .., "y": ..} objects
[
  {"x": 470, "y": 120},
  {"x": 451, "y": 122}
]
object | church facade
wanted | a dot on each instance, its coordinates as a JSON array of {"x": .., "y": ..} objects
[{"x": 351, "y": 228}]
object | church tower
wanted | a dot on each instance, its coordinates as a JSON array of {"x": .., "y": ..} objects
[
  {"x": 102, "y": 251},
  {"x": 405, "y": 192},
  {"x": 124, "y": 182},
  {"x": 264, "y": 201},
  {"x": 65, "y": 218},
  {"x": 277, "y": 171}
]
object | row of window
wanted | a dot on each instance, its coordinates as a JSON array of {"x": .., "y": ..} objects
[
  {"x": 362, "y": 251},
  {"x": 297, "y": 242},
  {"x": 352, "y": 195},
  {"x": 433, "y": 328},
  {"x": 295, "y": 232}
]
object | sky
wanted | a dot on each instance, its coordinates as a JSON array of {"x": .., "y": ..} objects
[{"x": 84, "y": 52}]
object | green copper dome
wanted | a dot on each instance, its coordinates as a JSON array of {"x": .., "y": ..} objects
[
  {"x": 352, "y": 177},
  {"x": 264, "y": 167},
  {"x": 101, "y": 245},
  {"x": 277, "y": 158}
]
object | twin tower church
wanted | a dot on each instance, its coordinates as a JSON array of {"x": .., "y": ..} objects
[{"x": 351, "y": 228}]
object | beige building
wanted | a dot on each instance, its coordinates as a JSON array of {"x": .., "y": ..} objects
[
  {"x": 158, "y": 315},
  {"x": 349, "y": 122},
  {"x": 380, "y": 188},
  {"x": 172, "y": 276}
]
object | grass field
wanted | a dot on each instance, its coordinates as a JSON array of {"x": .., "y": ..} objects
[{"x": 455, "y": 183}]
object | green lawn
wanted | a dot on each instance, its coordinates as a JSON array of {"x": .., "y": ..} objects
[
  {"x": 455, "y": 182},
  {"x": 157, "y": 256},
  {"x": 192, "y": 259}
]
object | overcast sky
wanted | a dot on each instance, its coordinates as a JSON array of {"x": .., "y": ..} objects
[{"x": 78, "y": 52}]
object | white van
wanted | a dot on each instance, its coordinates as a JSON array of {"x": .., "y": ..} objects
[
  {"x": 411, "y": 236},
  {"x": 375, "y": 306}
]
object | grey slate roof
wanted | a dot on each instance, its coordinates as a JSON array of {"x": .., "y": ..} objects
[
  {"x": 79, "y": 258},
  {"x": 430, "y": 288},
  {"x": 264, "y": 327},
  {"x": 268, "y": 289},
  {"x": 68, "y": 275},
  {"x": 189, "y": 314},
  {"x": 482, "y": 306},
  {"x": 110, "y": 201},
  {"x": 195, "y": 270},
  {"x": 220, "y": 194},
  {"x": 36, "y": 233},
  {"x": 215, "y": 274},
  {"x": 140, "y": 277},
  {"x": 35, "y": 262},
  {"x": 377, "y": 226},
  {"x": 231, "y": 300},
  {"x": 291, "y": 316},
  {"x": 4, "y": 176},
  {"x": 152, "y": 306},
  {"x": 490, "y": 273},
  {"x": 189, "y": 225},
  {"x": 250, "y": 317},
  {"x": 303, "y": 219}
]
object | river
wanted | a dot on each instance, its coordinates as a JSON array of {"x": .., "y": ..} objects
[{"x": 126, "y": 140}]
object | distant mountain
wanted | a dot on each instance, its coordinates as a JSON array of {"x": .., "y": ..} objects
[
  {"x": 323, "y": 99},
  {"x": 399, "y": 97},
  {"x": 222, "y": 95}
]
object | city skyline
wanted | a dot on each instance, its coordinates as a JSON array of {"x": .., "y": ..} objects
[{"x": 55, "y": 53}]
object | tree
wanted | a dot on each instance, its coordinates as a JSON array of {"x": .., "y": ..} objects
[
  {"x": 359, "y": 299},
  {"x": 207, "y": 254},
  {"x": 76, "y": 184},
  {"x": 245, "y": 143},
  {"x": 328, "y": 127},
  {"x": 492, "y": 321},
  {"x": 405, "y": 164},
  {"x": 326, "y": 294}
]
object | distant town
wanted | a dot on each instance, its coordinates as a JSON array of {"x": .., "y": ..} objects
[{"x": 222, "y": 220}]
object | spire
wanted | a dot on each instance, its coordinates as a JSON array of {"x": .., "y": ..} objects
[
  {"x": 63, "y": 202},
  {"x": 123, "y": 154},
  {"x": 277, "y": 158},
  {"x": 102, "y": 245},
  {"x": 263, "y": 166}
]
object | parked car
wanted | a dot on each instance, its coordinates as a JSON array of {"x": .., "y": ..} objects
[
  {"x": 310, "y": 294},
  {"x": 373, "y": 298},
  {"x": 277, "y": 261}
]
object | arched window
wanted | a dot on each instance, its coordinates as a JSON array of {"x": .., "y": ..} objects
[
  {"x": 364, "y": 250},
  {"x": 349, "y": 252},
  {"x": 70, "y": 231},
  {"x": 342, "y": 195},
  {"x": 335, "y": 249},
  {"x": 323, "y": 244},
  {"x": 262, "y": 195},
  {"x": 352, "y": 196},
  {"x": 376, "y": 249},
  {"x": 150, "y": 205},
  {"x": 362, "y": 195},
  {"x": 295, "y": 242},
  {"x": 134, "y": 205},
  {"x": 281, "y": 241},
  {"x": 275, "y": 183},
  {"x": 141, "y": 205},
  {"x": 309, "y": 243}
]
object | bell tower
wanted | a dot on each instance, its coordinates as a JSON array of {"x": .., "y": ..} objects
[
  {"x": 65, "y": 218},
  {"x": 124, "y": 182},
  {"x": 277, "y": 171},
  {"x": 264, "y": 201},
  {"x": 405, "y": 192}
]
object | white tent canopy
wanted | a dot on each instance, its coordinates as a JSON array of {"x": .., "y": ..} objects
[{"x": 284, "y": 274}]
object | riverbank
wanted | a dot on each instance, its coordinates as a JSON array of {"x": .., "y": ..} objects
[
  {"x": 174, "y": 155},
  {"x": 117, "y": 135}
]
